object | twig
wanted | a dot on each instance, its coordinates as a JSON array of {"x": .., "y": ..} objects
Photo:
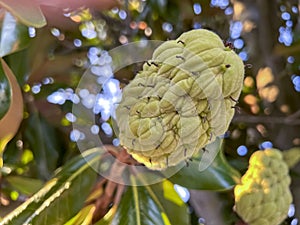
[
  {"x": 294, "y": 115},
  {"x": 119, "y": 193},
  {"x": 113, "y": 190},
  {"x": 289, "y": 120}
]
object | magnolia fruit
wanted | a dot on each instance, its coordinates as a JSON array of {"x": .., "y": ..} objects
[
  {"x": 264, "y": 197},
  {"x": 181, "y": 100}
]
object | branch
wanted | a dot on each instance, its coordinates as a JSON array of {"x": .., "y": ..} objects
[{"x": 289, "y": 120}]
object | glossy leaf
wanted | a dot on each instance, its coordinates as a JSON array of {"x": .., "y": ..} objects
[
  {"x": 5, "y": 94},
  {"x": 218, "y": 176},
  {"x": 155, "y": 204},
  {"x": 13, "y": 37},
  {"x": 19, "y": 64},
  {"x": 175, "y": 208},
  {"x": 27, "y": 11},
  {"x": 84, "y": 217},
  {"x": 10, "y": 122},
  {"x": 109, "y": 216},
  {"x": 62, "y": 197}
]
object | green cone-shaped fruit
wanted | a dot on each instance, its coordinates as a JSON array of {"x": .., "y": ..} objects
[
  {"x": 265, "y": 187},
  {"x": 181, "y": 100}
]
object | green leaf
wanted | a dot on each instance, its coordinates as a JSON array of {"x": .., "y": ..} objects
[
  {"x": 84, "y": 217},
  {"x": 19, "y": 64},
  {"x": 109, "y": 216},
  {"x": 5, "y": 94},
  {"x": 155, "y": 204},
  {"x": 43, "y": 142},
  {"x": 13, "y": 37},
  {"x": 218, "y": 176},
  {"x": 159, "y": 6},
  {"x": 27, "y": 11},
  {"x": 175, "y": 209},
  {"x": 62, "y": 197},
  {"x": 25, "y": 185},
  {"x": 10, "y": 122}
]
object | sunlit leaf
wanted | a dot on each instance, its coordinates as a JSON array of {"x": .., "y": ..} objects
[
  {"x": 13, "y": 37},
  {"x": 218, "y": 176},
  {"x": 175, "y": 209},
  {"x": 84, "y": 217},
  {"x": 109, "y": 216},
  {"x": 155, "y": 204},
  {"x": 62, "y": 197},
  {"x": 27, "y": 11},
  {"x": 10, "y": 122}
]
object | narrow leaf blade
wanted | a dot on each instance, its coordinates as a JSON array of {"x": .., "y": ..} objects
[
  {"x": 42, "y": 139},
  {"x": 155, "y": 204},
  {"x": 25, "y": 185},
  {"x": 62, "y": 197}
]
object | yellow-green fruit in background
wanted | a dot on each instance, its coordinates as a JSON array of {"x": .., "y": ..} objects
[
  {"x": 264, "y": 197},
  {"x": 181, "y": 100},
  {"x": 291, "y": 156}
]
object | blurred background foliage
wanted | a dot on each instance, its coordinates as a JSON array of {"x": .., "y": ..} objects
[{"x": 49, "y": 60}]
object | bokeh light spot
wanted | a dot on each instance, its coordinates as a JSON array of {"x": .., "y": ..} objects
[
  {"x": 167, "y": 27},
  {"x": 77, "y": 42},
  {"x": 95, "y": 129},
  {"x": 286, "y": 36},
  {"x": 107, "y": 128},
  {"x": 228, "y": 11},
  {"x": 294, "y": 221},
  {"x": 70, "y": 117},
  {"x": 236, "y": 28},
  {"x": 289, "y": 23},
  {"x": 36, "y": 88},
  {"x": 182, "y": 192},
  {"x": 285, "y": 16},
  {"x": 243, "y": 55},
  {"x": 238, "y": 43},
  {"x": 242, "y": 150},
  {"x": 295, "y": 9},
  {"x": 31, "y": 32},
  {"x": 265, "y": 145},
  {"x": 122, "y": 15},
  {"x": 55, "y": 32},
  {"x": 290, "y": 59},
  {"x": 197, "y": 8},
  {"x": 291, "y": 211},
  {"x": 116, "y": 142}
]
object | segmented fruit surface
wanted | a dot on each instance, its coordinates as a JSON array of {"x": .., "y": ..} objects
[
  {"x": 264, "y": 197},
  {"x": 181, "y": 100}
]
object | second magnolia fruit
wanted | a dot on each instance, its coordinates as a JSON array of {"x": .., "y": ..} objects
[{"x": 264, "y": 197}]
